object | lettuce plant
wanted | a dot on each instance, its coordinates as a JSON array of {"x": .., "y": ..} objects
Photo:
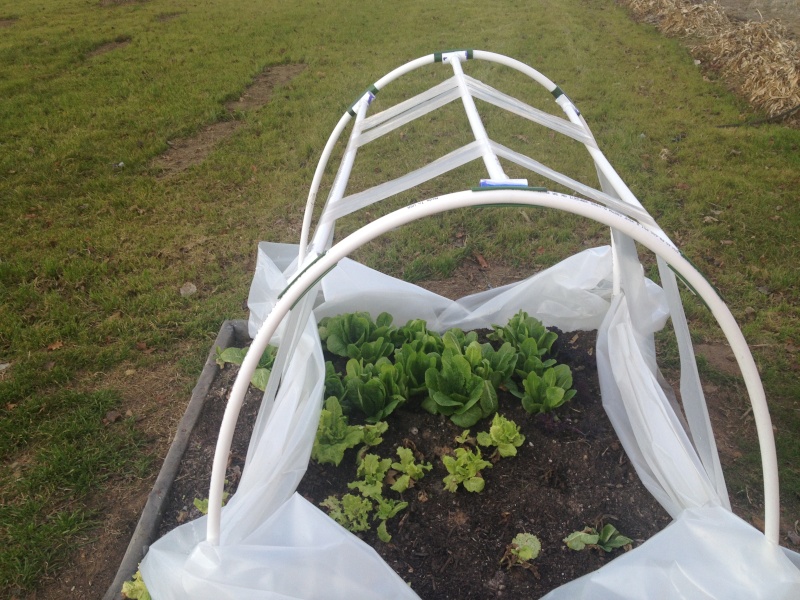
[
  {"x": 375, "y": 390},
  {"x": 504, "y": 435},
  {"x": 351, "y": 512},
  {"x": 521, "y": 327},
  {"x": 372, "y": 471},
  {"x": 529, "y": 358},
  {"x": 410, "y": 470},
  {"x": 356, "y": 335},
  {"x": 607, "y": 539},
  {"x": 496, "y": 366},
  {"x": 235, "y": 356},
  {"x": 136, "y": 589},
  {"x": 465, "y": 469},
  {"x": 524, "y": 548},
  {"x": 548, "y": 392},
  {"x": 385, "y": 509},
  {"x": 457, "y": 392},
  {"x": 334, "y": 435},
  {"x": 416, "y": 334},
  {"x": 333, "y": 382},
  {"x": 414, "y": 364}
]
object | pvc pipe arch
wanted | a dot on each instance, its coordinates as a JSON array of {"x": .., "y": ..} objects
[{"x": 660, "y": 246}]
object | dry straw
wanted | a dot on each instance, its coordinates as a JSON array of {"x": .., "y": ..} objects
[{"x": 755, "y": 57}]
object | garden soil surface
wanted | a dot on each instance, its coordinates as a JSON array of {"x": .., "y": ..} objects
[{"x": 570, "y": 473}]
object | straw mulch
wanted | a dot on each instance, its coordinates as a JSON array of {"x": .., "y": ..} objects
[{"x": 758, "y": 59}]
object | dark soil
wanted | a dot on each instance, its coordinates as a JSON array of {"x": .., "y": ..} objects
[{"x": 570, "y": 473}]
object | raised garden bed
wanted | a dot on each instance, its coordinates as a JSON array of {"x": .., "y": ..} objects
[{"x": 570, "y": 473}]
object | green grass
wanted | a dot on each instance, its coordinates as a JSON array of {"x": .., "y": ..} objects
[{"x": 93, "y": 254}]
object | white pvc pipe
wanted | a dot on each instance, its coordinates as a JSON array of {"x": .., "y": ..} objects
[
  {"x": 493, "y": 166},
  {"x": 315, "y": 183},
  {"x": 382, "y": 83},
  {"x": 595, "y": 212},
  {"x": 325, "y": 229}
]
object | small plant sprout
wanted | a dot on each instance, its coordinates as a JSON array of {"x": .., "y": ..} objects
[
  {"x": 235, "y": 356},
  {"x": 385, "y": 509},
  {"x": 504, "y": 434},
  {"x": 202, "y": 504},
  {"x": 136, "y": 589},
  {"x": 465, "y": 438},
  {"x": 411, "y": 471},
  {"x": 372, "y": 471},
  {"x": 524, "y": 548},
  {"x": 351, "y": 512},
  {"x": 334, "y": 435},
  {"x": 607, "y": 539},
  {"x": 465, "y": 469},
  {"x": 372, "y": 438}
]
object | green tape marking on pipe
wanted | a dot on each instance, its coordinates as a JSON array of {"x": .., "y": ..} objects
[
  {"x": 439, "y": 56},
  {"x": 557, "y": 92},
  {"x": 689, "y": 286},
  {"x": 299, "y": 275},
  {"x": 311, "y": 287},
  {"x": 370, "y": 90}
]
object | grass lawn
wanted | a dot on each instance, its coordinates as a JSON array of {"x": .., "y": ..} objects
[{"x": 98, "y": 241}]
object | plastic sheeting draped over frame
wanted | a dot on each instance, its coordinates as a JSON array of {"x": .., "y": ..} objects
[{"x": 277, "y": 545}]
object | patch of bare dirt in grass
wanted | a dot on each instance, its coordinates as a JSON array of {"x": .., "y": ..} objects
[
  {"x": 168, "y": 16},
  {"x": 471, "y": 277},
  {"x": 7, "y": 21},
  {"x": 121, "y": 2},
  {"x": 260, "y": 91},
  {"x": 188, "y": 152},
  {"x": 118, "y": 43}
]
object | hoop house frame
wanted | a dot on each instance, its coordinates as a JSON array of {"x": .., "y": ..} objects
[{"x": 682, "y": 444}]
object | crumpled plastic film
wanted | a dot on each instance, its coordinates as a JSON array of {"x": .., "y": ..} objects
[
  {"x": 707, "y": 553},
  {"x": 276, "y": 545},
  {"x": 573, "y": 295}
]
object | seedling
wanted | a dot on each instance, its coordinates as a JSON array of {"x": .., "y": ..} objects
[
  {"x": 334, "y": 435},
  {"x": 465, "y": 469},
  {"x": 385, "y": 509},
  {"x": 607, "y": 539},
  {"x": 548, "y": 392},
  {"x": 372, "y": 437},
  {"x": 235, "y": 356},
  {"x": 202, "y": 504},
  {"x": 524, "y": 548},
  {"x": 372, "y": 471},
  {"x": 465, "y": 438},
  {"x": 351, "y": 512},
  {"x": 136, "y": 589},
  {"x": 411, "y": 471},
  {"x": 504, "y": 434}
]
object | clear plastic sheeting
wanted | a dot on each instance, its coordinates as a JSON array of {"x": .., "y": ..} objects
[
  {"x": 705, "y": 554},
  {"x": 574, "y": 295}
]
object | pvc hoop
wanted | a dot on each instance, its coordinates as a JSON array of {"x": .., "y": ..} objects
[{"x": 601, "y": 214}]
